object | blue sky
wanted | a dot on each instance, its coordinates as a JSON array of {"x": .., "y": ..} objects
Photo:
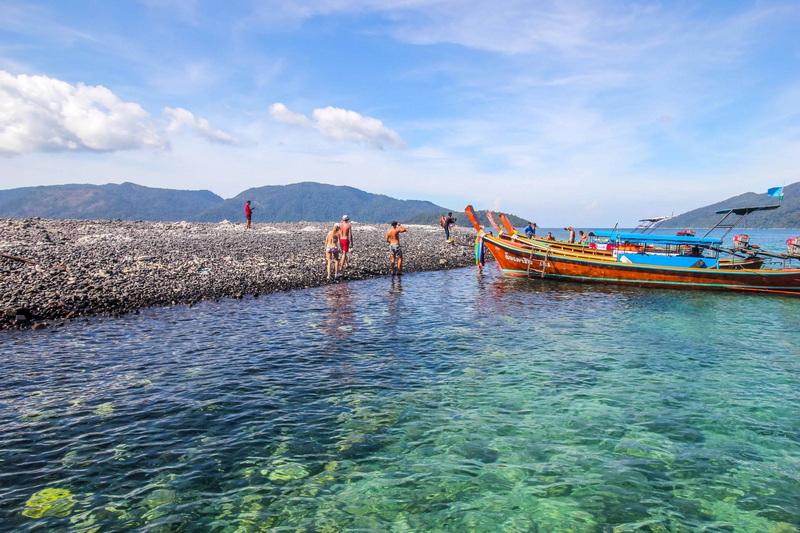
[{"x": 587, "y": 113}]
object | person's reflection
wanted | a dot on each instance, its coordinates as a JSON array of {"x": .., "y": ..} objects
[
  {"x": 393, "y": 306},
  {"x": 340, "y": 320}
]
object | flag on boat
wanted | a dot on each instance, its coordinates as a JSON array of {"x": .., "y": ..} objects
[{"x": 776, "y": 191}]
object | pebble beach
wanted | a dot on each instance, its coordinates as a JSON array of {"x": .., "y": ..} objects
[{"x": 54, "y": 271}]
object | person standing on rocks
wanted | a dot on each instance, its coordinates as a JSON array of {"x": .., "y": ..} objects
[
  {"x": 345, "y": 240},
  {"x": 449, "y": 220},
  {"x": 332, "y": 250},
  {"x": 393, "y": 238},
  {"x": 248, "y": 213}
]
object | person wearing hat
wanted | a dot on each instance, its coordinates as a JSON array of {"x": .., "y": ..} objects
[
  {"x": 345, "y": 240},
  {"x": 332, "y": 250},
  {"x": 571, "y": 233}
]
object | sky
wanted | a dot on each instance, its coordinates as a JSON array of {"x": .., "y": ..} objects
[{"x": 566, "y": 112}]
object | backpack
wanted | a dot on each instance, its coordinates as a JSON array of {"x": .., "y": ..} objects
[{"x": 441, "y": 221}]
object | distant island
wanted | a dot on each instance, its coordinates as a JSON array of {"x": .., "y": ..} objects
[{"x": 306, "y": 201}]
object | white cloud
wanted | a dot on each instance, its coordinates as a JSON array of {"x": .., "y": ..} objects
[
  {"x": 341, "y": 125},
  {"x": 42, "y": 114},
  {"x": 182, "y": 118},
  {"x": 282, "y": 114}
]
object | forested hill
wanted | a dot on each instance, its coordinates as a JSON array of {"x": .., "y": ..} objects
[
  {"x": 786, "y": 216},
  {"x": 126, "y": 201},
  {"x": 313, "y": 202},
  {"x": 318, "y": 202}
]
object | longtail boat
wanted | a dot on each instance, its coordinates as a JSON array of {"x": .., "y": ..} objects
[
  {"x": 600, "y": 244},
  {"x": 642, "y": 259}
]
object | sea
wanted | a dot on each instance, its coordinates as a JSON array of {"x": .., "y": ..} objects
[{"x": 456, "y": 400}]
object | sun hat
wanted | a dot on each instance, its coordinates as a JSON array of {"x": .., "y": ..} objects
[
  {"x": 345, "y": 218},
  {"x": 336, "y": 225}
]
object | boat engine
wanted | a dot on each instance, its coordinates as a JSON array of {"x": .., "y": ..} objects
[
  {"x": 741, "y": 242},
  {"x": 793, "y": 246}
]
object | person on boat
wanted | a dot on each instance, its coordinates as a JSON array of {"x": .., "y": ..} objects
[
  {"x": 449, "y": 220},
  {"x": 393, "y": 238},
  {"x": 530, "y": 230},
  {"x": 571, "y": 233},
  {"x": 345, "y": 240},
  {"x": 332, "y": 250},
  {"x": 584, "y": 238},
  {"x": 550, "y": 236},
  {"x": 248, "y": 213}
]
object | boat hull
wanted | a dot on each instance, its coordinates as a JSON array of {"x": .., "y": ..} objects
[{"x": 520, "y": 261}]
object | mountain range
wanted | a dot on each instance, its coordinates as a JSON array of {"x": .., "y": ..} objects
[
  {"x": 307, "y": 201},
  {"x": 312, "y": 202}
]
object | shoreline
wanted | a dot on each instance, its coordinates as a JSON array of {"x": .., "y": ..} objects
[{"x": 53, "y": 271}]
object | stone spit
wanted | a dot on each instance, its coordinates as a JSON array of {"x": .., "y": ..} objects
[{"x": 54, "y": 270}]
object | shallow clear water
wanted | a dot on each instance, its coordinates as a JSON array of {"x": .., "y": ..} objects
[{"x": 447, "y": 401}]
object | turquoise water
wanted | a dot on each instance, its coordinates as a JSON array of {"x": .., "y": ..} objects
[{"x": 447, "y": 401}]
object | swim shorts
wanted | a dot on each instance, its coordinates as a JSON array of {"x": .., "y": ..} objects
[
  {"x": 345, "y": 244},
  {"x": 332, "y": 250},
  {"x": 396, "y": 249}
]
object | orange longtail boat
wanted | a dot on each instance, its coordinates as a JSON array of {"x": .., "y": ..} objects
[{"x": 642, "y": 260}]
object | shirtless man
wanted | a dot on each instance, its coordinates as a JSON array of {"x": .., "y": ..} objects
[
  {"x": 332, "y": 250},
  {"x": 345, "y": 240},
  {"x": 571, "y": 233},
  {"x": 393, "y": 238}
]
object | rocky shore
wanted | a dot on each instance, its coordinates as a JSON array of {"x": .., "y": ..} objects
[{"x": 56, "y": 270}]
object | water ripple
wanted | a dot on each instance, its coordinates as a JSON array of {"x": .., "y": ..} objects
[{"x": 443, "y": 401}]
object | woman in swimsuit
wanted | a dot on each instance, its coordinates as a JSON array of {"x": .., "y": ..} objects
[{"x": 332, "y": 250}]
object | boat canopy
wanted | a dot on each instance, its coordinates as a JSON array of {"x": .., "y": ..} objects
[
  {"x": 647, "y": 225},
  {"x": 743, "y": 211},
  {"x": 657, "y": 239}
]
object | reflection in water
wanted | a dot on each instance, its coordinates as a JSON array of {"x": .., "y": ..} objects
[
  {"x": 339, "y": 321},
  {"x": 394, "y": 303},
  {"x": 435, "y": 402}
]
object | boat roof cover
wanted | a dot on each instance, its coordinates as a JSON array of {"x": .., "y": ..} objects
[
  {"x": 742, "y": 211},
  {"x": 658, "y": 239},
  {"x": 656, "y": 219}
]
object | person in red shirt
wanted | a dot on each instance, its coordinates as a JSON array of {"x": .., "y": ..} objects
[{"x": 248, "y": 212}]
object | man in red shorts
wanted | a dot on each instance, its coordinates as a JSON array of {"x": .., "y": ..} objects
[{"x": 345, "y": 240}]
